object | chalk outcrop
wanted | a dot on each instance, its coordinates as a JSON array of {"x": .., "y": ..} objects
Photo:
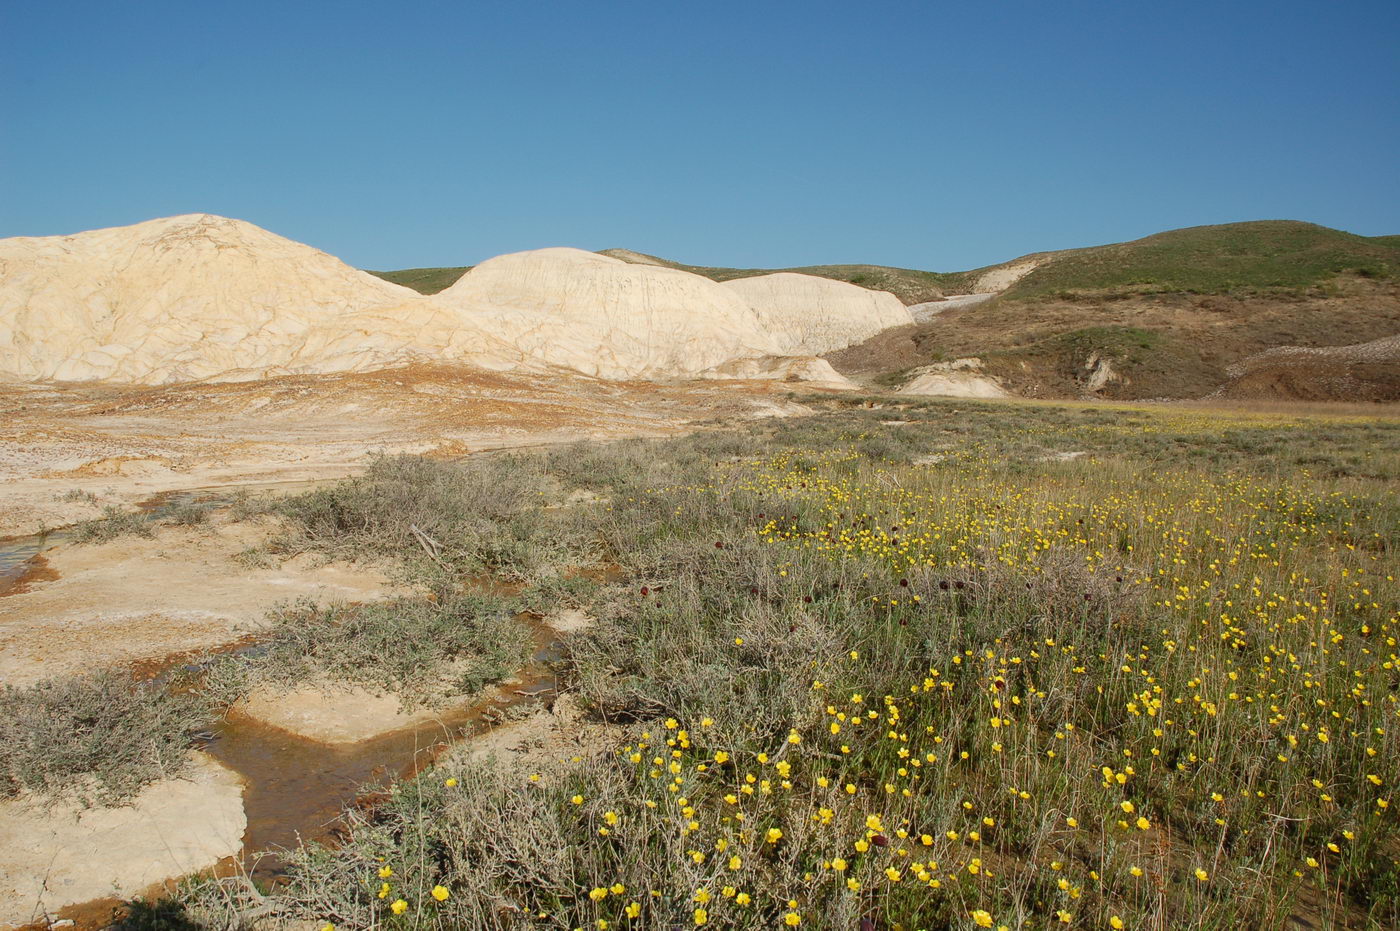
[
  {"x": 205, "y": 298},
  {"x": 176, "y": 299},
  {"x": 809, "y": 315},
  {"x": 604, "y": 317},
  {"x": 961, "y": 378}
]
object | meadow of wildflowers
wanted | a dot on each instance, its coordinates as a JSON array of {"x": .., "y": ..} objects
[{"x": 867, "y": 675}]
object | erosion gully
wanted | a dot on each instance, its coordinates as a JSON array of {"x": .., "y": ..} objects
[{"x": 296, "y": 789}]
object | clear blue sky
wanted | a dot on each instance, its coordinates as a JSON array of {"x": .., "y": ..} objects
[{"x": 939, "y": 135}]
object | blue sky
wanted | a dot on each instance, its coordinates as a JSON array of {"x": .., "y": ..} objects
[{"x": 929, "y": 135}]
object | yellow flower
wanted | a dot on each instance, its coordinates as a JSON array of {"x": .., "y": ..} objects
[
  {"x": 577, "y": 799},
  {"x": 702, "y": 917},
  {"x": 385, "y": 872},
  {"x": 399, "y": 907},
  {"x": 1201, "y": 874},
  {"x": 633, "y": 909},
  {"x": 1115, "y": 923},
  {"x": 743, "y": 898},
  {"x": 792, "y": 919},
  {"x": 721, "y": 757},
  {"x": 774, "y": 835},
  {"x": 982, "y": 918},
  {"x": 1143, "y": 824}
]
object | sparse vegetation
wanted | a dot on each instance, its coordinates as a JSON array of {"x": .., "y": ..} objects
[
  {"x": 909, "y": 285},
  {"x": 114, "y": 522},
  {"x": 426, "y": 651},
  {"x": 1262, "y": 256},
  {"x": 937, "y": 675},
  {"x": 100, "y": 737}
]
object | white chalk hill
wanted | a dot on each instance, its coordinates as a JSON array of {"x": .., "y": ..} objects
[
  {"x": 201, "y": 297},
  {"x": 602, "y": 316},
  {"x": 811, "y": 316}
]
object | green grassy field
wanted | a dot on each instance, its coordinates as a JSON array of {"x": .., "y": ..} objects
[{"x": 955, "y": 665}]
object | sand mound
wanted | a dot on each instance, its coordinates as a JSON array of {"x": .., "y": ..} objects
[
  {"x": 204, "y": 298},
  {"x": 810, "y": 315},
  {"x": 605, "y": 317}
]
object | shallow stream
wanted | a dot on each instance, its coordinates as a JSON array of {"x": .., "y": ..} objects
[{"x": 296, "y": 788}]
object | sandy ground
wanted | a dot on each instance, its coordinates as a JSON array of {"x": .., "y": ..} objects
[
  {"x": 138, "y": 599},
  {"x": 54, "y": 857},
  {"x": 125, "y": 444}
]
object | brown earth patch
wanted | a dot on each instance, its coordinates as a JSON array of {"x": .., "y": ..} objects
[{"x": 1031, "y": 344}]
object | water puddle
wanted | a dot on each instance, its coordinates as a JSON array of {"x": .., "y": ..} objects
[{"x": 298, "y": 788}]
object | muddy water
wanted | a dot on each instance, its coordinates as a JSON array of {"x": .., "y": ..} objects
[{"x": 297, "y": 788}]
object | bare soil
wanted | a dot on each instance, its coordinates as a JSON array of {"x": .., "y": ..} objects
[{"x": 124, "y": 444}]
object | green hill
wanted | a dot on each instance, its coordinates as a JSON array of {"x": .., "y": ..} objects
[
  {"x": 424, "y": 280},
  {"x": 1260, "y": 257},
  {"x": 1234, "y": 258},
  {"x": 909, "y": 285}
]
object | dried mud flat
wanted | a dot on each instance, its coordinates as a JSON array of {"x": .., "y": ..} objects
[{"x": 122, "y": 445}]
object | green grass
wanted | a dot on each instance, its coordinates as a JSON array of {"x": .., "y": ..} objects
[
  {"x": 1260, "y": 256},
  {"x": 425, "y": 280},
  {"x": 984, "y": 653}
]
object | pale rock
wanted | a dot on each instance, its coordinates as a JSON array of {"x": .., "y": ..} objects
[
  {"x": 961, "y": 378},
  {"x": 605, "y": 317},
  {"x": 64, "y": 854},
  {"x": 809, "y": 316},
  {"x": 176, "y": 299},
  {"x": 810, "y": 371}
]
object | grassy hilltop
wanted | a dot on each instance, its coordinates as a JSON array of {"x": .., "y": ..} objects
[{"x": 1265, "y": 256}]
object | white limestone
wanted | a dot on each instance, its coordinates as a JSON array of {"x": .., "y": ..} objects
[
  {"x": 810, "y": 315},
  {"x": 605, "y": 317},
  {"x": 200, "y": 297}
]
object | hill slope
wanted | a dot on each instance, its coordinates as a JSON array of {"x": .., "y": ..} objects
[
  {"x": 1234, "y": 258},
  {"x": 909, "y": 285},
  {"x": 1164, "y": 316}
]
